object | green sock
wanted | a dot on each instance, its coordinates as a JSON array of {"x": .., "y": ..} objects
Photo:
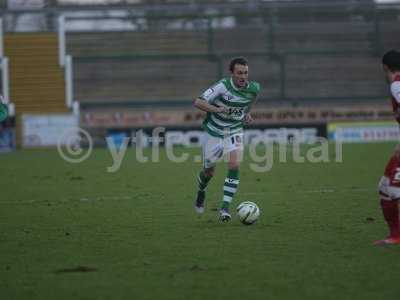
[
  {"x": 203, "y": 180},
  {"x": 230, "y": 187}
]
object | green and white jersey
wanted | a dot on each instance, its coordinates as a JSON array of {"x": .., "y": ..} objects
[{"x": 238, "y": 101}]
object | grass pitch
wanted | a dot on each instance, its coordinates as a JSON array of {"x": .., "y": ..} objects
[{"x": 75, "y": 231}]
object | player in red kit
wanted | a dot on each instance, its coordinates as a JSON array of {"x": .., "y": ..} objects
[{"x": 389, "y": 185}]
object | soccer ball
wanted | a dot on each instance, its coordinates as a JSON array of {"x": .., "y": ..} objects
[{"x": 248, "y": 212}]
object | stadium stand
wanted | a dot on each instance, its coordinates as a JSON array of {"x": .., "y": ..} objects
[
  {"x": 305, "y": 50},
  {"x": 122, "y": 80},
  {"x": 390, "y": 31},
  {"x": 328, "y": 36},
  {"x": 292, "y": 60},
  {"x": 36, "y": 80},
  {"x": 298, "y": 52},
  {"x": 129, "y": 43},
  {"x": 324, "y": 76}
]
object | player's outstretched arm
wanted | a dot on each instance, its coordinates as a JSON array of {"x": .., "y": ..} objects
[{"x": 207, "y": 107}]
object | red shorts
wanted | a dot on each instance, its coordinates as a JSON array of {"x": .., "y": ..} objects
[{"x": 392, "y": 171}]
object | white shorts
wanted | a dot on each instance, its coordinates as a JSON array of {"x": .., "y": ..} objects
[
  {"x": 387, "y": 191},
  {"x": 214, "y": 148}
]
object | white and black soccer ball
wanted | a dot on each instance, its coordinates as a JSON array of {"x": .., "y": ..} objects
[{"x": 248, "y": 212}]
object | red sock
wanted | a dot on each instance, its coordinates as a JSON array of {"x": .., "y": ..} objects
[{"x": 390, "y": 211}]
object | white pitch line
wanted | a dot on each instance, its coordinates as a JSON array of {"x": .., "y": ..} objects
[{"x": 315, "y": 191}]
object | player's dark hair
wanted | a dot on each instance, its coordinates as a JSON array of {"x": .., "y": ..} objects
[
  {"x": 237, "y": 61},
  {"x": 392, "y": 60}
]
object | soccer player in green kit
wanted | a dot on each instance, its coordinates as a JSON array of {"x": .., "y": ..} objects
[
  {"x": 227, "y": 103},
  {"x": 3, "y": 110}
]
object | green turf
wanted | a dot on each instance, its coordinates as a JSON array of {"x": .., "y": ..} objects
[{"x": 136, "y": 235}]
